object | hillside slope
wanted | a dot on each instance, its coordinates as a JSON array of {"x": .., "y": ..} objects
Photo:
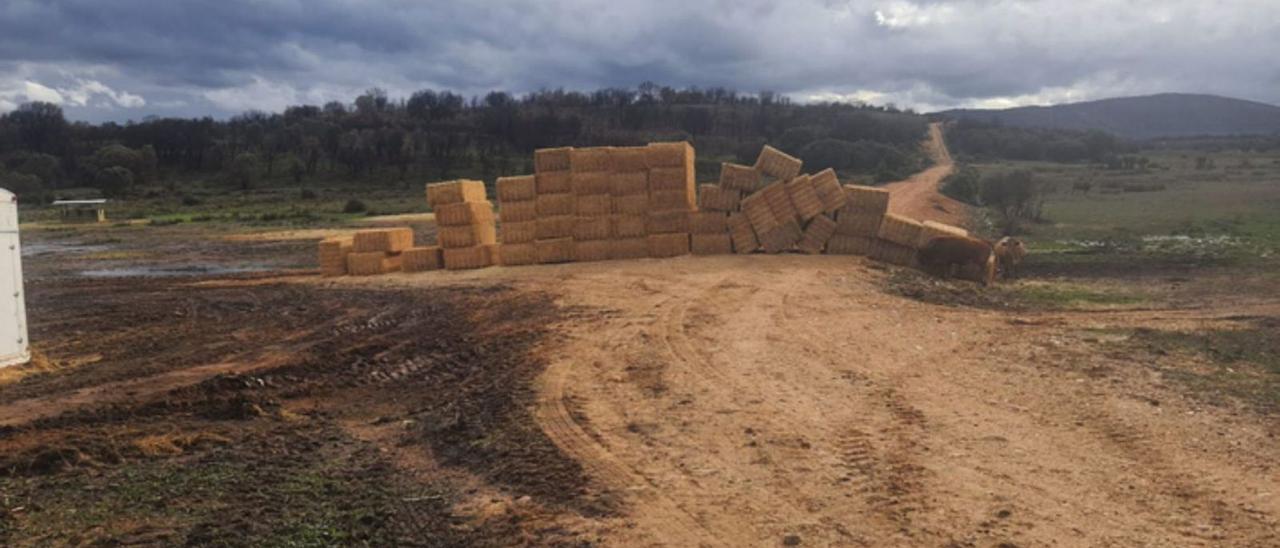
[{"x": 1164, "y": 115}]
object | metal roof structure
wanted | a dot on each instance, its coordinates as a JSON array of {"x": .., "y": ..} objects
[{"x": 80, "y": 202}]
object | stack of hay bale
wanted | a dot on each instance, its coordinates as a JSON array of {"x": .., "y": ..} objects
[
  {"x": 465, "y": 224},
  {"x": 672, "y": 198},
  {"x": 858, "y": 221},
  {"x": 591, "y": 179},
  {"x": 830, "y": 198},
  {"x": 555, "y": 205},
  {"x": 333, "y": 255},
  {"x": 518, "y": 216},
  {"x": 629, "y": 193},
  {"x": 740, "y": 181},
  {"x": 709, "y": 225},
  {"x": 897, "y": 240},
  {"x": 378, "y": 251}
]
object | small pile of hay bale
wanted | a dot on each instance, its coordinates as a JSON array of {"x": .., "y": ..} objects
[
  {"x": 466, "y": 227},
  {"x": 378, "y": 251}
]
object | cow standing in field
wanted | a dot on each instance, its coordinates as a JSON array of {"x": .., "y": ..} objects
[
  {"x": 1009, "y": 254},
  {"x": 962, "y": 256}
]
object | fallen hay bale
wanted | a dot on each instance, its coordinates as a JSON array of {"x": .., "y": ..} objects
[
  {"x": 778, "y": 164},
  {"x": 779, "y": 201},
  {"x": 517, "y": 254},
  {"x": 551, "y": 159},
  {"x": 865, "y": 199},
  {"x": 554, "y": 182},
  {"x": 893, "y": 253},
  {"x": 464, "y": 213},
  {"x": 519, "y": 233},
  {"x": 900, "y": 230},
  {"x": 629, "y": 226},
  {"x": 467, "y": 258},
  {"x": 452, "y": 192},
  {"x": 516, "y": 189},
  {"x": 850, "y": 245},
  {"x": 744, "y": 237},
  {"x": 781, "y": 238},
  {"x": 557, "y": 250},
  {"x": 668, "y": 245},
  {"x": 827, "y": 185},
  {"x": 392, "y": 240},
  {"x": 744, "y": 179},
  {"x": 591, "y": 250},
  {"x": 421, "y": 259},
  {"x": 452, "y": 237},
  {"x": 518, "y": 212},
  {"x": 717, "y": 198},
  {"x": 816, "y": 234},
  {"x": 711, "y": 244},
  {"x": 709, "y": 222},
  {"x": 803, "y": 197},
  {"x": 559, "y": 226},
  {"x": 933, "y": 229},
  {"x": 371, "y": 263}
]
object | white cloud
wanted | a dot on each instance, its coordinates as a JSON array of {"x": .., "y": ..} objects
[{"x": 34, "y": 91}]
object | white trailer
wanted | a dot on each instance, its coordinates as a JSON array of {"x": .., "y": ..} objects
[{"x": 13, "y": 308}]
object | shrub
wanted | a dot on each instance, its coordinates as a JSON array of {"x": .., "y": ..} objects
[
  {"x": 353, "y": 206},
  {"x": 189, "y": 200},
  {"x": 308, "y": 194},
  {"x": 964, "y": 185}
]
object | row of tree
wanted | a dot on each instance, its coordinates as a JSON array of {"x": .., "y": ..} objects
[
  {"x": 440, "y": 134},
  {"x": 983, "y": 140}
]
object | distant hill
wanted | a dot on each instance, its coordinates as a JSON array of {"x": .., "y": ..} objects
[{"x": 1164, "y": 115}]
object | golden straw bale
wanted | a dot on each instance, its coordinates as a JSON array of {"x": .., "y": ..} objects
[
  {"x": 554, "y": 182},
  {"x": 631, "y": 204},
  {"x": 629, "y": 248},
  {"x": 745, "y": 179},
  {"x": 666, "y": 222},
  {"x": 852, "y": 222},
  {"x": 758, "y": 213},
  {"x": 629, "y": 183},
  {"x": 518, "y": 233},
  {"x": 711, "y": 244},
  {"x": 516, "y": 189},
  {"x": 466, "y": 258},
  {"x": 551, "y": 159},
  {"x": 556, "y": 250},
  {"x": 559, "y": 226},
  {"x": 850, "y": 245},
  {"x": 675, "y": 154},
  {"x": 900, "y": 230},
  {"x": 668, "y": 245},
  {"x": 629, "y": 226},
  {"x": 517, "y": 254},
  {"x": 778, "y": 164},
  {"x": 550, "y": 205},
  {"x": 816, "y": 234},
  {"x": 371, "y": 263},
  {"x": 709, "y": 222},
  {"x": 450, "y": 237},
  {"x": 780, "y": 202},
  {"x": 933, "y": 229},
  {"x": 744, "y": 237},
  {"x": 866, "y": 199},
  {"x": 803, "y": 197},
  {"x": 591, "y": 250},
  {"x": 383, "y": 239},
  {"x": 830, "y": 193},
  {"x": 628, "y": 159},
  {"x": 892, "y": 253},
  {"x": 781, "y": 238},
  {"x": 464, "y": 213},
  {"x": 594, "y": 182},
  {"x": 452, "y": 192},
  {"x": 664, "y": 200},
  {"x": 595, "y": 205},
  {"x": 592, "y": 228},
  {"x": 518, "y": 212},
  {"x": 421, "y": 259},
  {"x": 332, "y": 255},
  {"x": 717, "y": 198},
  {"x": 588, "y": 160}
]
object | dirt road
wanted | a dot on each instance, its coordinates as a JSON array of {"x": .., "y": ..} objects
[
  {"x": 918, "y": 196},
  {"x": 735, "y": 401}
]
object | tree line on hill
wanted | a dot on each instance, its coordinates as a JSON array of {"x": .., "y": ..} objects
[
  {"x": 988, "y": 140},
  {"x": 434, "y": 135}
]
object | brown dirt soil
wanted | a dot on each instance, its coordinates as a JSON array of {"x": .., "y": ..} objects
[{"x": 918, "y": 196}]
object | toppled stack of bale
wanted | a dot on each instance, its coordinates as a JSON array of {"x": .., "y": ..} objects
[
  {"x": 672, "y": 198},
  {"x": 554, "y": 205},
  {"x": 333, "y": 255},
  {"x": 711, "y": 230},
  {"x": 518, "y": 216},
  {"x": 465, "y": 227},
  {"x": 858, "y": 222},
  {"x": 378, "y": 251}
]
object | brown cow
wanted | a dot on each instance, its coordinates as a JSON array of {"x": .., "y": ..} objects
[
  {"x": 1009, "y": 254},
  {"x": 969, "y": 258}
]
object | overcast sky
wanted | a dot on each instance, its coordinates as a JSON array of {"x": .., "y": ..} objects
[{"x": 126, "y": 59}]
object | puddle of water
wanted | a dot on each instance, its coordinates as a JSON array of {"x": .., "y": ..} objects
[{"x": 169, "y": 271}]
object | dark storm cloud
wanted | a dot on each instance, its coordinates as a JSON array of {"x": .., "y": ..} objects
[{"x": 126, "y": 58}]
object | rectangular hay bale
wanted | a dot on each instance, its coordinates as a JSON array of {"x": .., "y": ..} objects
[
  {"x": 744, "y": 237},
  {"x": 633, "y": 204},
  {"x": 851, "y": 222},
  {"x": 803, "y": 197},
  {"x": 816, "y": 234},
  {"x": 554, "y": 182},
  {"x": 589, "y": 160},
  {"x": 711, "y": 244},
  {"x": 778, "y": 164},
  {"x": 758, "y": 213},
  {"x": 667, "y": 222},
  {"x": 592, "y": 228},
  {"x": 662, "y": 200},
  {"x": 671, "y": 154},
  {"x": 551, "y": 205},
  {"x": 827, "y": 185},
  {"x": 672, "y": 178},
  {"x": 893, "y": 253},
  {"x": 780, "y": 202},
  {"x": 932, "y": 229},
  {"x": 595, "y": 205},
  {"x": 866, "y": 199},
  {"x": 668, "y": 245},
  {"x": 551, "y": 159},
  {"x": 391, "y": 240},
  {"x": 555, "y": 250},
  {"x": 628, "y": 159},
  {"x": 467, "y": 258},
  {"x": 453, "y": 192},
  {"x": 518, "y": 212},
  {"x": 717, "y": 198},
  {"x": 850, "y": 245},
  {"x": 709, "y": 222},
  {"x": 781, "y": 238},
  {"x": 595, "y": 182},
  {"x": 629, "y": 183},
  {"x": 464, "y": 213},
  {"x": 517, "y": 188},
  {"x": 629, "y": 248},
  {"x": 628, "y": 226},
  {"x": 900, "y": 230},
  {"x": 517, "y": 254},
  {"x": 452, "y": 237},
  {"x": 738, "y": 177},
  {"x": 591, "y": 250},
  {"x": 421, "y": 259},
  {"x": 518, "y": 233},
  {"x": 559, "y": 226},
  {"x": 371, "y": 263},
  {"x": 332, "y": 256}
]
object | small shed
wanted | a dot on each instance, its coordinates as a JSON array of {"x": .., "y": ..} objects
[{"x": 82, "y": 211}]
